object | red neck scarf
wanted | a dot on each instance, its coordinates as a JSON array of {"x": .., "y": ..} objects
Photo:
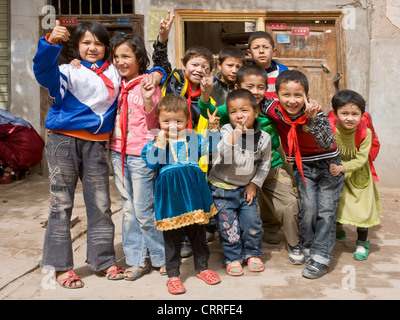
[
  {"x": 191, "y": 95},
  {"x": 99, "y": 71},
  {"x": 123, "y": 118},
  {"x": 293, "y": 143}
]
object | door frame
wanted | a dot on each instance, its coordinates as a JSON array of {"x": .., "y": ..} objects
[
  {"x": 260, "y": 18},
  {"x": 182, "y": 16}
]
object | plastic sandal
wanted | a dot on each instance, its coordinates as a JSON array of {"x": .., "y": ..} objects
[
  {"x": 175, "y": 286},
  {"x": 137, "y": 272},
  {"x": 113, "y": 274},
  {"x": 9, "y": 174},
  {"x": 254, "y": 264},
  {"x": 163, "y": 271},
  {"x": 66, "y": 282},
  {"x": 362, "y": 255},
  {"x": 209, "y": 277},
  {"x": 234, "y": 268}
]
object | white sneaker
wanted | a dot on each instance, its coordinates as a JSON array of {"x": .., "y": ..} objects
[{"x": 295, "y": 255}]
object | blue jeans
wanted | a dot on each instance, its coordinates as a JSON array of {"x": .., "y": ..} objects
[
  {"x": 70, "y": 159},
  {"x": 239, "y": 224},
  {"x": 140, "y": 237},
  {"x": 317, "y": 217}
]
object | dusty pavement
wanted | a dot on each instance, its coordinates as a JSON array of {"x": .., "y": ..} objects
[{"x": 23, "y": 212}]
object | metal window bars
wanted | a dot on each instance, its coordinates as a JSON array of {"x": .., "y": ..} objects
[{"x": 68, "y": 7}]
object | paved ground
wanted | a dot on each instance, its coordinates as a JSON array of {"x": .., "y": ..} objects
[{"x": 23, "y": 212}]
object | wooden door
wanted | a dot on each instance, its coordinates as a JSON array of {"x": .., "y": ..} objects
[{"x": 310, "y": 47}]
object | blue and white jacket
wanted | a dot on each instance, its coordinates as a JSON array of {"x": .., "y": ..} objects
[{"x": 81, "y": 99}]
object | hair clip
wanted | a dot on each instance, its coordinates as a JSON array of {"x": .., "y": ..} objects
[{"x": 122, "y": 32}]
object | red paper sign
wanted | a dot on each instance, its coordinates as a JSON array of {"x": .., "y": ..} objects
[
  {"x": 277, "y": 26},
  {"x": 69, "y": 21},
  {"x": 300, "y": 31}
]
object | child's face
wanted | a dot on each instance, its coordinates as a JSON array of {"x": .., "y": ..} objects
[
  {"x": 229, "y": 68},
  {"x": 291, "y": 97},
  {"x": 125, "y": 61},
  {"x": 349, "y": 116},
  {"x": 195, "y": 69},
  {"x": 241, "y": 111},
  {"x": 256, "y": 85},
  {"x": 90, "y": 48},
  {"x": 261, "y": 51},
  {"x": 173, "y": 123}
]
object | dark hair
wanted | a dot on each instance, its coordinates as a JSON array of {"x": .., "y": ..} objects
[
  {"x": 292, "y": 75},
  {"x": 173, "y": 103},
  {"x": 198, "y": 51},
  {"x": 261, "y": 34},
  {"x": 231, "y": 52},
  {"x": 135, "y": 42},
  {"x": 348, "y": 96},
  {"x": 95, "y": 28},
  {"x": 241, "y": 94},
  {"x": 250, "y": 70}
]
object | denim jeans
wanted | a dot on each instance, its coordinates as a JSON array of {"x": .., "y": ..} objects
[
  {"x": 239, "y": 224},
  {"x": 140, "y": 237},
  {"x": 317, "y": 217},
  {"x": 70, "y": 159}
]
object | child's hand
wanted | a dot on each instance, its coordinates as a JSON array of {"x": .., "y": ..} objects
[
  {"x": 206, "y": 86},
  {"x": 59, "y": 33},
  {"x": 154, "y": 78},
  {"x": 250, "y": 192},
  {"x": 312, "y": 108},
  {"x": 161, "y": 140},
  {"x": 165, "y": 27},
  {"x": 213, "y": 120},
  {"x": 335, "y": 170},
  {"x": 76, "y": 63},
  {"x": 147, "y": 88},
  {"x": 241, "y": 125}
]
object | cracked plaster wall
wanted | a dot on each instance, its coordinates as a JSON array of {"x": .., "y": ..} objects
[{"x": 384, "y": 94}]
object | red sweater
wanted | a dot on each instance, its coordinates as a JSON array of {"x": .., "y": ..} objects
[{"x": 309, "y": 148}]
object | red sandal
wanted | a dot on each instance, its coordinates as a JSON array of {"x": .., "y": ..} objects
[
  {"x": 175, "y": 286},
  {"x": 113, "y": 274},
  {"x": 255, "y": 264},
  {"x": 66, "y": 282},
  {"x": 209, "y": 277},
  {"x": 9, "y": 174}
]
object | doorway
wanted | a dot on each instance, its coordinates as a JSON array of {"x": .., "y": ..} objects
[{"x": 312, "y": 42}]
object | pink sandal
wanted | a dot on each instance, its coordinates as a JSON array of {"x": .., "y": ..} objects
[
  {"x": 113, "y": 274},
  {"x": 175, "y": 286},
  {"x": 209, "y": 277},
  {"x": 234, "y": 268},
  {"x": 255, "y": 264},
  {"x": 66, "y": 282}
]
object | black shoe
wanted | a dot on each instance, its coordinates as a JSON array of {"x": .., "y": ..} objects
[
  {"x": 186, "y": 250},
  {"x": 271, "y": 237},
  {"x": 314, "y": 270}
]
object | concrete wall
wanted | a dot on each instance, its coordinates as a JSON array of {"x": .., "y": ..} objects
[
  {"x": 24, "y": 34},
  {"x": 384, "y": 95}
]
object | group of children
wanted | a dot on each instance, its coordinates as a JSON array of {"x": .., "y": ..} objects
[{"x": 163, "y": 127}]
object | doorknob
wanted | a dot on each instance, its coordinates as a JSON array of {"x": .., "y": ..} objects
[
  {"x": 337, "y": 77},
  {"x": 325, "y": 68}
]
